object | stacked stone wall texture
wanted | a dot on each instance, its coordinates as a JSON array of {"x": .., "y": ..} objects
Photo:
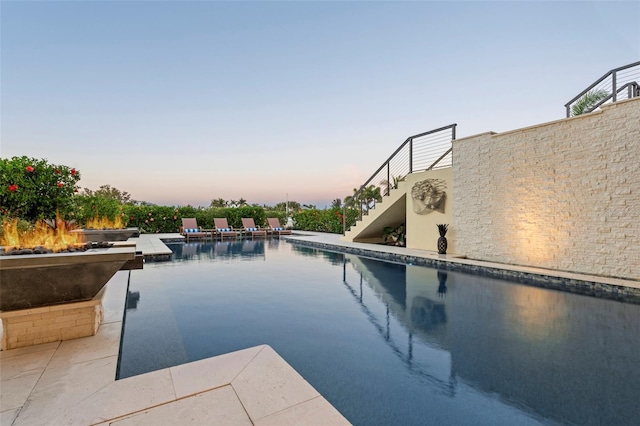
[
  {"x": 563, "y": 195},
  {"x": 28, "y": 327}
]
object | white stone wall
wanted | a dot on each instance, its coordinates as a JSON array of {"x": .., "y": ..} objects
[{"x": 562, "y": 195}]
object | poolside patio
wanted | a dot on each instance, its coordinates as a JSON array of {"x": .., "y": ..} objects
[{"x": 73, "y": 382}]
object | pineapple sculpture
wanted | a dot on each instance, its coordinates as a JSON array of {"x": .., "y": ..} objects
[{"x": 442, "y": 241}]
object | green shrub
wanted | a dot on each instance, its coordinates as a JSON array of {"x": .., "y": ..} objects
[
  {"x": 88, "y": 207},
  {"x": 328, "y": 220},
  {"x": 155, "y": 219},
  {"x": 33, "y": 189}
]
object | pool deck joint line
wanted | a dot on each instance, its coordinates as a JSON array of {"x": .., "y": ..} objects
[{"x": 73, "y": 382}]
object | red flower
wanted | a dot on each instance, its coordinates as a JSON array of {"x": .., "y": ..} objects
[
  {"x": 13, "y": 188},
  {"x": 131, "y": 218},
  {"x": 73, "y": 171},
  {"x": 75, "y": 190},
  {"x": 29, "y": 169},
  {"x": 60, "y": 184}
]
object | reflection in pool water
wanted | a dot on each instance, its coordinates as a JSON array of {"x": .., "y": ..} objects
[
  {"x": 239, "y": 249},
  {"x": 387, "y": 343}
]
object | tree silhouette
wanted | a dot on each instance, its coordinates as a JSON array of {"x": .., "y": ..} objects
[
  {"x": 110, "y": 193},
  {"x": 218, "y": 203},
  {"x": 365, "y": 199}
]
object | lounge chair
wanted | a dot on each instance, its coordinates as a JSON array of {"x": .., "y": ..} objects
[
  {"x": 249, "y": 228},
  {"x": 223, "y": 229},
  {"x": 276, "y": 228},
  {"x": 190, "y": 229}
]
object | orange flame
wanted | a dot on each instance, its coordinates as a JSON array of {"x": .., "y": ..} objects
[
  {"x": 42, "y": 235},
  {"x": 104, "y": 223}
]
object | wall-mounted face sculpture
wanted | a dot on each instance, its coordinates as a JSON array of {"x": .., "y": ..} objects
[{"x": 428, "y": 196}]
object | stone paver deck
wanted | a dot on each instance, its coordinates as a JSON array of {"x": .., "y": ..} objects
[{"x": 153, "y": 247}]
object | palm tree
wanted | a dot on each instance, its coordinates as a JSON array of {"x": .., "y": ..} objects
[
  {"x": 370, "y": 195},
  {"x": 391, "y": 185},
  {"x": 336, "y": 204},
  {"x": 294, "y": 206},
  {"x": 365, "y": 198},
  {"x": 218, "y": 203},
  {"x": 349, "y": 198},
  {"x": 588, "y": 101}
]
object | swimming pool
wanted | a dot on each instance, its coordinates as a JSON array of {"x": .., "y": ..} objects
[{"x": 388, "y": 343}]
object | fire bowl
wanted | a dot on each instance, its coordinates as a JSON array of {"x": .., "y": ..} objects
[
  {"x": 95, "y": 235},
  {"x": 36, "y": 280}
]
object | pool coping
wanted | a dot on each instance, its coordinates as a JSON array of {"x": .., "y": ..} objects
[{"x": 618, "y": 289}]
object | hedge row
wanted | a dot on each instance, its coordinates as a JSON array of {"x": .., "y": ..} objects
[{"x": 155, "y": 219}]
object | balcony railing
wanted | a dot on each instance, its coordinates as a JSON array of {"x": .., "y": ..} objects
[
  {"x": 620, "y": 83},
  {"x": 426, "y": 151}
]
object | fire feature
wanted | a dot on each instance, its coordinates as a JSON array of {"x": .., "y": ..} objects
[
  {"x": 108, "y": 234},
  {"x": 102, "y": 222},
  {"x": 35, "y": 280},
  {"x": 58, "y": 293},
  {"x": 43, "y": 237},
  {"x": 105, "y": 229}
]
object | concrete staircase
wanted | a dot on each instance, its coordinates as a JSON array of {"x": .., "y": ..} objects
[{"x": 391, "y": 211}]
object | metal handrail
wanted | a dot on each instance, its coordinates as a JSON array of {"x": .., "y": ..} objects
[
  {"x": 633, "y": 90},
  {"x": 423, "y": 148},
  {"x": 613, "y": 87}
]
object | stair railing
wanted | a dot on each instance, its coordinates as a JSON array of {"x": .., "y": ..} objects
[
  {"x": 620, "y": 83},
  {"x": 425, "y": 151}
]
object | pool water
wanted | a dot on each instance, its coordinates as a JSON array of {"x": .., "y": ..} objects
[{"x": 391, "y": 344}]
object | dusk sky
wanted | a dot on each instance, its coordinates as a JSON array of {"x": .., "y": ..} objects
[{"x": 183, "y": 102}]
